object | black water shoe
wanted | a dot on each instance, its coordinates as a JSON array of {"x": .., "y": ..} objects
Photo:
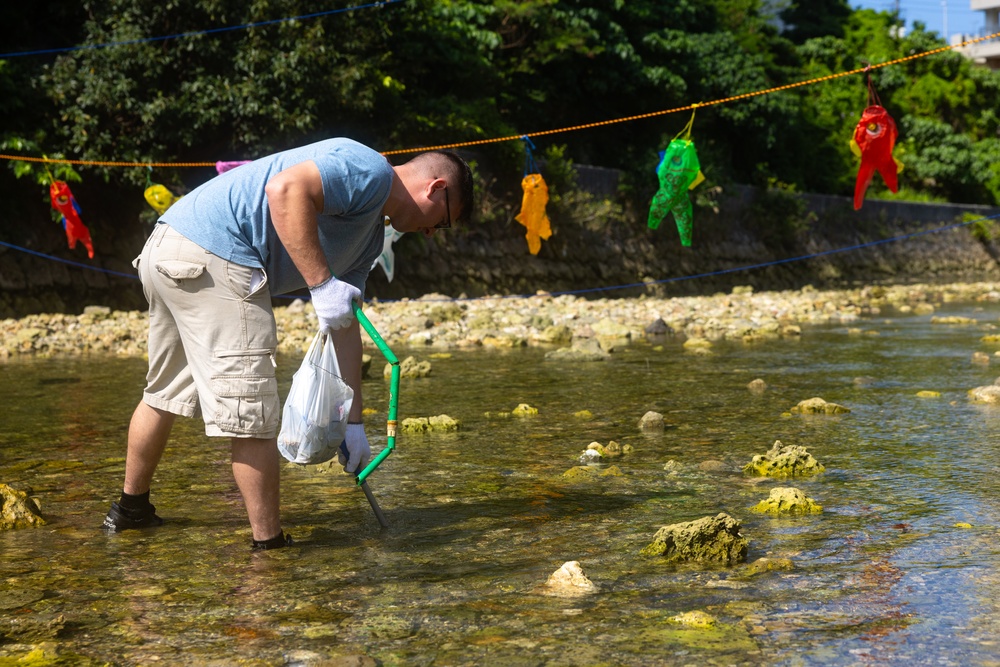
[
  {"x": 282, "y": 540},
  {"x": 122, "y": 518}
]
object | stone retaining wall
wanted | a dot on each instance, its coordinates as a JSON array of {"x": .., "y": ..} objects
[{"x": 750, "y": 229}]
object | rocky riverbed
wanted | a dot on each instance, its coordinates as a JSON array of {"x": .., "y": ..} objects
[{"x": 440, "y": 322}]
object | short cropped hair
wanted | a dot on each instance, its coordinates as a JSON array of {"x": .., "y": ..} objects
[{"x": 458, "y": 173}]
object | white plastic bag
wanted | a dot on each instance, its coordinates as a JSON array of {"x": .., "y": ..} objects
[{"x": 314, "y": 420}]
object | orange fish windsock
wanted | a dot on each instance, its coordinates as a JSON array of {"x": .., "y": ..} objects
[
  {"x": 532, "y": 215},
  {"x": 64, "y": 202}
]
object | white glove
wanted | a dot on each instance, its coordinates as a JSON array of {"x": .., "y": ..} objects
[
  {"x": 357, "y": 447},
  {"x": 332, "y": 303}
]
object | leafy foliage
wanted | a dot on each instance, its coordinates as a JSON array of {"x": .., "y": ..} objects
[{"x": 423, "y": 73}]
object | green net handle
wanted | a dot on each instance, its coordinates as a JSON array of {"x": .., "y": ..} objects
[{"x": 390, "y": 423}]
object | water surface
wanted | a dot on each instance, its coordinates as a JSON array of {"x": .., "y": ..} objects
[{"x": 480, "y": 518}]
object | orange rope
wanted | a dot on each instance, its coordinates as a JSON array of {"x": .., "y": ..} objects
[
  {"x": 97, "y": 163},
  {"x": 574, "y": 128}
]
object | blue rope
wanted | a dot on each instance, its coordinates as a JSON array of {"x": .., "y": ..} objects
[
  {"x": 590, "y": 290},
  {"x": 199, "y": 32},
  {"x": 67, "y": 261}
]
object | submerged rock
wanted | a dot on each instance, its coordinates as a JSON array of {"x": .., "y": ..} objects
[
  {"x": 596, "y": 450},
  {"x": 787, "y": 500},
  {"x": 817, "y": 406},
  {"x": 440, "y": 423},
  {"x": 695, "y": 619},
  {"x": 586, "y": 472},
  {"x": 710, "y": 539},
  {"x": 762, "y": 565},
  {"x": 569, "y": 581},
  {"x": 524, "y": 410},
  {"x": 17, "y": 510},
  {"x": 783, "y": 461},
  {"x": 651, "y": 422},
  {"x": 757, "y": 386},
  {"x": 409, "y": 368},
  {"x": 586, "y": 349}
]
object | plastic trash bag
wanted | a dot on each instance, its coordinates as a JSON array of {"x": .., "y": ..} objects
[{"x": 314, "y": 419}]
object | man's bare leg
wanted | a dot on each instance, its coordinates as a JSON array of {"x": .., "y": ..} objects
[
  {"x": 147, "y": 438},
  {"x": 256, "y": 470}
]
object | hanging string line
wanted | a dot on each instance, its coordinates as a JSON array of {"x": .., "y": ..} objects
[
  {"x": 541, "y": 133},
  {"x": 591, "y": 290},
  {"x": 193, "y": 33}
]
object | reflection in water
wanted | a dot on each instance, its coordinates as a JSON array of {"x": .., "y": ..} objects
[{"x": 480, "y": 518}]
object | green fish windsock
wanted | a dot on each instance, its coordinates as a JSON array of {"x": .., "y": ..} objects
[{"x": 679, "y": 171}]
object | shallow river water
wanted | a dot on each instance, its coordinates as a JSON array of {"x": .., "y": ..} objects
[{"x": 480, "y": 518}]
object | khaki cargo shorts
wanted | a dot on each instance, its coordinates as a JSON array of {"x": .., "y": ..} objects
[{"x": 211, "y": 338}]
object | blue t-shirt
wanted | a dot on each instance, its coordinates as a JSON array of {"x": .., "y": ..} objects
[{"x": 229, "y": 216}]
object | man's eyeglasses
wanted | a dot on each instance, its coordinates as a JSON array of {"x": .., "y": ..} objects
[{"x": 446, "y": 223}]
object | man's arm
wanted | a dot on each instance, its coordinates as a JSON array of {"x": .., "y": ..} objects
[
  {"x": 348, "y": 344},
  {"x": 295, "y": 199}
]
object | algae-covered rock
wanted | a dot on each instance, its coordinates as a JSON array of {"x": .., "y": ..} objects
[
  {"x": 524, "y": 410},
  {"x": 585, "y": 472},
  {"x": 17, "y": 510},
  {"x": 952, "y": 319},
  {"x": 438, "y": 423},
  {"x": 787, "y": 500},
  {"x": 583, "y": 414},
  {"x": 714, "y": 539},
  {"x": 695, "y": 619},
  {"x": 762, "y": 565},
  {"x": 586, "y": 349},
  {"x": 817, "y": 406},
  {"x": 651, "y": 422},
  {"x": 409, "y": 368},
  {"x": 783, "y": 461},
  {"x": 928, "y": 394},
  {"x": 569, "y": 581},
  {"x": 596, "y": 450}
]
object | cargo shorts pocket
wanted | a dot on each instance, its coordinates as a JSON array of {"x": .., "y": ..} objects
[
  {"x": 179, "y": 270},
  {"x": 246, "y": 404}
]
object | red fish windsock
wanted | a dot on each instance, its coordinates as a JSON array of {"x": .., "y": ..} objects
[
  {"x": 63, "y": 201},
  {"x": 874, "y": 139}
]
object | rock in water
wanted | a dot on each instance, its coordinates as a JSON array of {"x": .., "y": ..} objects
[
  {"x": 787, "y": 500},
  {"x": 570, "y": 581},
  {"x": 714, "y": 539},
  {"x": 783, "y": 461},
  {"x": 17, "y": 510}
]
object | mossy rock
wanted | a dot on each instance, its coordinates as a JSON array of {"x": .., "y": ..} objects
[
  {"x": 438, "y": 423},
  {"x": 583, "y": 473},
  {"x": 524, "y": 410},
  {"x": 715, "y": 539},
  {"x": 17, "y": 510},
  {"x": 762, "y": 565},
  {"x": 783, "y": 461},
  {"x": 787, "y": 500},
  {"x": 817, "y": 406},
  {"x": 409, "y": 368}
]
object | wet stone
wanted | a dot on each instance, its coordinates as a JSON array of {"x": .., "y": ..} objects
[
  {"x": 709, "y": 539},
  {"x": 787, "y": 500},
  {"x": 17, "y": 510},
  {"x": 783, "y": 461}
]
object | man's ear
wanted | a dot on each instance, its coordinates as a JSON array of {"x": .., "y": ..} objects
[{"x": 436, "y": 184}]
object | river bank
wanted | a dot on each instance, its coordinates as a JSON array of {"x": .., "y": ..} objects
[{"x": 440, "y": 322}]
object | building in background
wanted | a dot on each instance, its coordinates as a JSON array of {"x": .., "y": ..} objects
[{"x": 985, "y": 52}]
